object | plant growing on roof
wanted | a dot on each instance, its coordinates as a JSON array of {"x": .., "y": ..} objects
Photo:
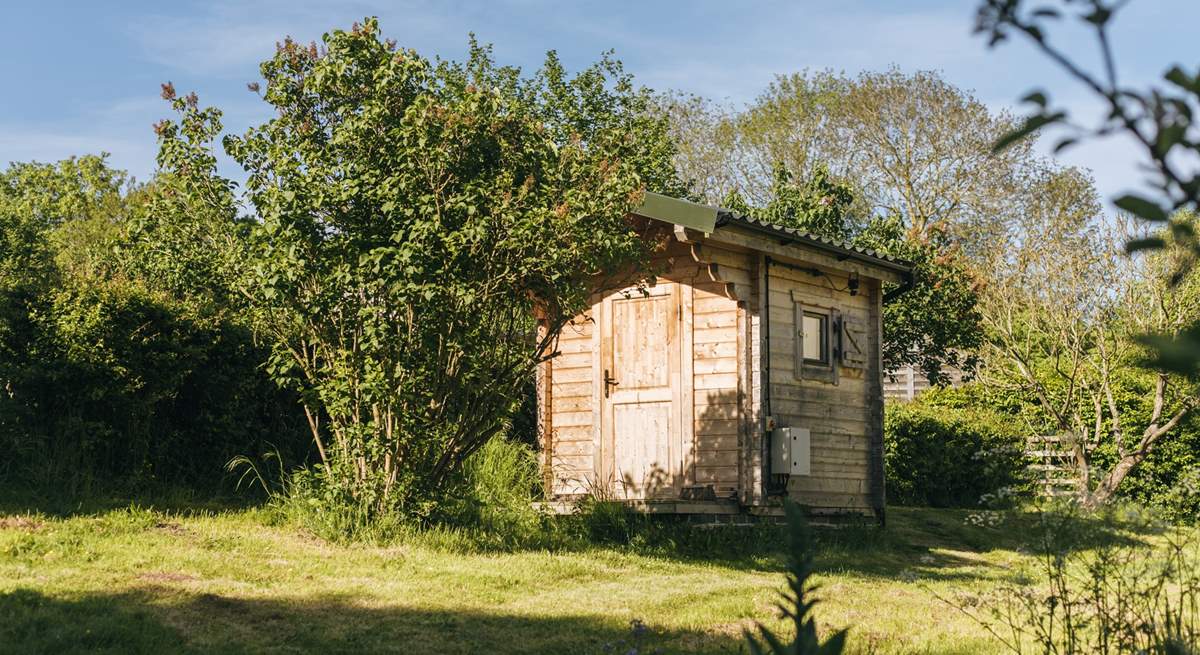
[{"x": 414, "y": 217}]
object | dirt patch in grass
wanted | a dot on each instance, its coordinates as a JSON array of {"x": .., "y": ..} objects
[
  {"x": 27, "y": 523},
  {"x": 166, "y": 576},
  {"x": 171, "y": 528}
]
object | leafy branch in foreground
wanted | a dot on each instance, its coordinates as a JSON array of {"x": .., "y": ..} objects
[
  {"x": 1160, "y": 120},
  {"x": 798, "y": 600},
  {"x": 1095, "y": 588}
]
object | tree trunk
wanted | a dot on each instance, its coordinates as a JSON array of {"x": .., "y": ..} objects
[{"x": 1107, "y": 487}]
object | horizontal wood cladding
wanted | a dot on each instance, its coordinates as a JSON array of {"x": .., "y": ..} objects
[
  {"x": 717, "y": 412},
  {"x": 721, "y": 365},
  {"x": 573, "y": 360},
  {"x": 567, "y": 389},
  {"x": 716, "y": 382},
  {"x": 715, "y": 335},
  {"x": 836, "y": 410},
  {"x": 717, "y": 476},
  {"x": 716, "y": 350},
  {"x": 564, "y": 376},
  {"x": 572, "y": 391}
]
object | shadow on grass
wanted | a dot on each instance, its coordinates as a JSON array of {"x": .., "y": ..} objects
[
  {"x": 162, "y": 620},
  {"x": 172, "y": 500},
  {"x": 940, "y": 544},
  {"x": 937, "y": 543}
]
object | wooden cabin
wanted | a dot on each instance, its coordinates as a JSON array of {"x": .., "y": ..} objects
[{"x": 749, "y": 369}]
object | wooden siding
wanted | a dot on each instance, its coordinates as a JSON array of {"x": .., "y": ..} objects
[
  {"x": 716, "y": 322},
  {"x": 837, "y": 409},
  {"x": 570, "y": 451},
  {"x": 721, "y": 429}
]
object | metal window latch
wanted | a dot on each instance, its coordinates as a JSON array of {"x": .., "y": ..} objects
[{"x": 609, "y": 382}]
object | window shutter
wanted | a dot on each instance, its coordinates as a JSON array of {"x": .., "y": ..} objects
[{"x": 854, "y": 343}]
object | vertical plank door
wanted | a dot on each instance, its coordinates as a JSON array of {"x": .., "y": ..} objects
[{"x": 640, "y": 422}]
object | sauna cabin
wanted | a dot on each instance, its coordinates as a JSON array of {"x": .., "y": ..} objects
[{"x": 746, "y": 370}]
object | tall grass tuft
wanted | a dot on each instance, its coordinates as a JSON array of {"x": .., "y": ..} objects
[
  {"x": 501, "y": 482},
  {"x": 1102, "y": 586}
]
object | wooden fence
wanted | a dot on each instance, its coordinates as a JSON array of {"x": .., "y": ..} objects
[
  {"x": 1053, "y": 464},
  {"x": 906, "y": 382}
]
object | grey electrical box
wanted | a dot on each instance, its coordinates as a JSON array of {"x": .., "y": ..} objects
[{"x": 791, "y": 452}]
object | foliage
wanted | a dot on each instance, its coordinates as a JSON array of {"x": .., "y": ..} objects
[
  {"x": 1160, "y": 121},
  {"x": 910, "y": 145},
  {"x": 1063, "y": 314},
  {"x": 934, "y": 325},
  {"x": 817, "y": 205},
  {"x": 501, "y": 482},
  {"x": 798, "y": 600},
  {"x": 415, "y": 217},
  {"x": 109, "y": 382},
  {"x": 1165, "y": 480},
  {"x": 940, "y": 455},
  {"x": 186, "y": 238},
  {"x": 1121, "y": 595}
]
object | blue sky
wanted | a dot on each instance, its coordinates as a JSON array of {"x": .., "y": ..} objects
[{"x": 84, "y": 77}]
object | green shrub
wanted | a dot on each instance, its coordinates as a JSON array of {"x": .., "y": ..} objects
[
  {"x": 501, "y": 483},
  {"x": 941, "y": 456},
  {"x": 490, "y": 508},
  {"x": 112, "y": 381},
  {"x": 1168, "y": 480},
  {"x": 115, "y": 388}
]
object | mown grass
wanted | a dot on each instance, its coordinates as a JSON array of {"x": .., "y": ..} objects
[{"x": 234, "y": 581}]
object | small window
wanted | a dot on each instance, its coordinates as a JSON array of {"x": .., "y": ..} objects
[
  {"x": 817, "y": 345},
  {"x": 815, "y": 338}
]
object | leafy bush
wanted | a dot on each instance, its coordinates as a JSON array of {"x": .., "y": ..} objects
[
  {"x": 416, "y": 216},
  {"x": 500, "y": 484},
  {"x": 109, "y": 382},
  {"x": 941, "y": 456}
]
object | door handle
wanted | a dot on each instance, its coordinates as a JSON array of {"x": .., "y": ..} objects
[{"x": 609, "y": 382}]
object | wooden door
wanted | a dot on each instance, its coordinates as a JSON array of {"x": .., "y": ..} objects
[{"x": 640, "y": 360}]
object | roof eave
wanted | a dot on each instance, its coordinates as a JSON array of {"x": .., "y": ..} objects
[{"x": 725, "y": 218}]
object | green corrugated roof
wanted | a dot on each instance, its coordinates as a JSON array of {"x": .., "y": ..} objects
[{"x": 706, "y": 219}]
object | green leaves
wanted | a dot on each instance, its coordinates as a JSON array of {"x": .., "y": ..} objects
[
  {"x": 413, "y": 217},
  {"x": 1031, "y": 125},
  {"x": 1177, "y": 76},
  {"x": 1142, "y": 208}
]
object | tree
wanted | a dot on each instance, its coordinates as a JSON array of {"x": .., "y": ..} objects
[
  {"x": 1062, "y": 312},
  {"x": 913, "y": 152},
  {"x": 1160, "y": 121},
  {"x": 110, "y": 380},
  {"x": 415, "y": 217},
  {"x": 702, "y": 131},
  {"x": 935, "y": 324},
  {"x": 818, "y": 205},
  {"x": 910, "y": 145}
]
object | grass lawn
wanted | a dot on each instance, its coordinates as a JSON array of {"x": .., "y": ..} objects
[{"x": 228, "y": 581}]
